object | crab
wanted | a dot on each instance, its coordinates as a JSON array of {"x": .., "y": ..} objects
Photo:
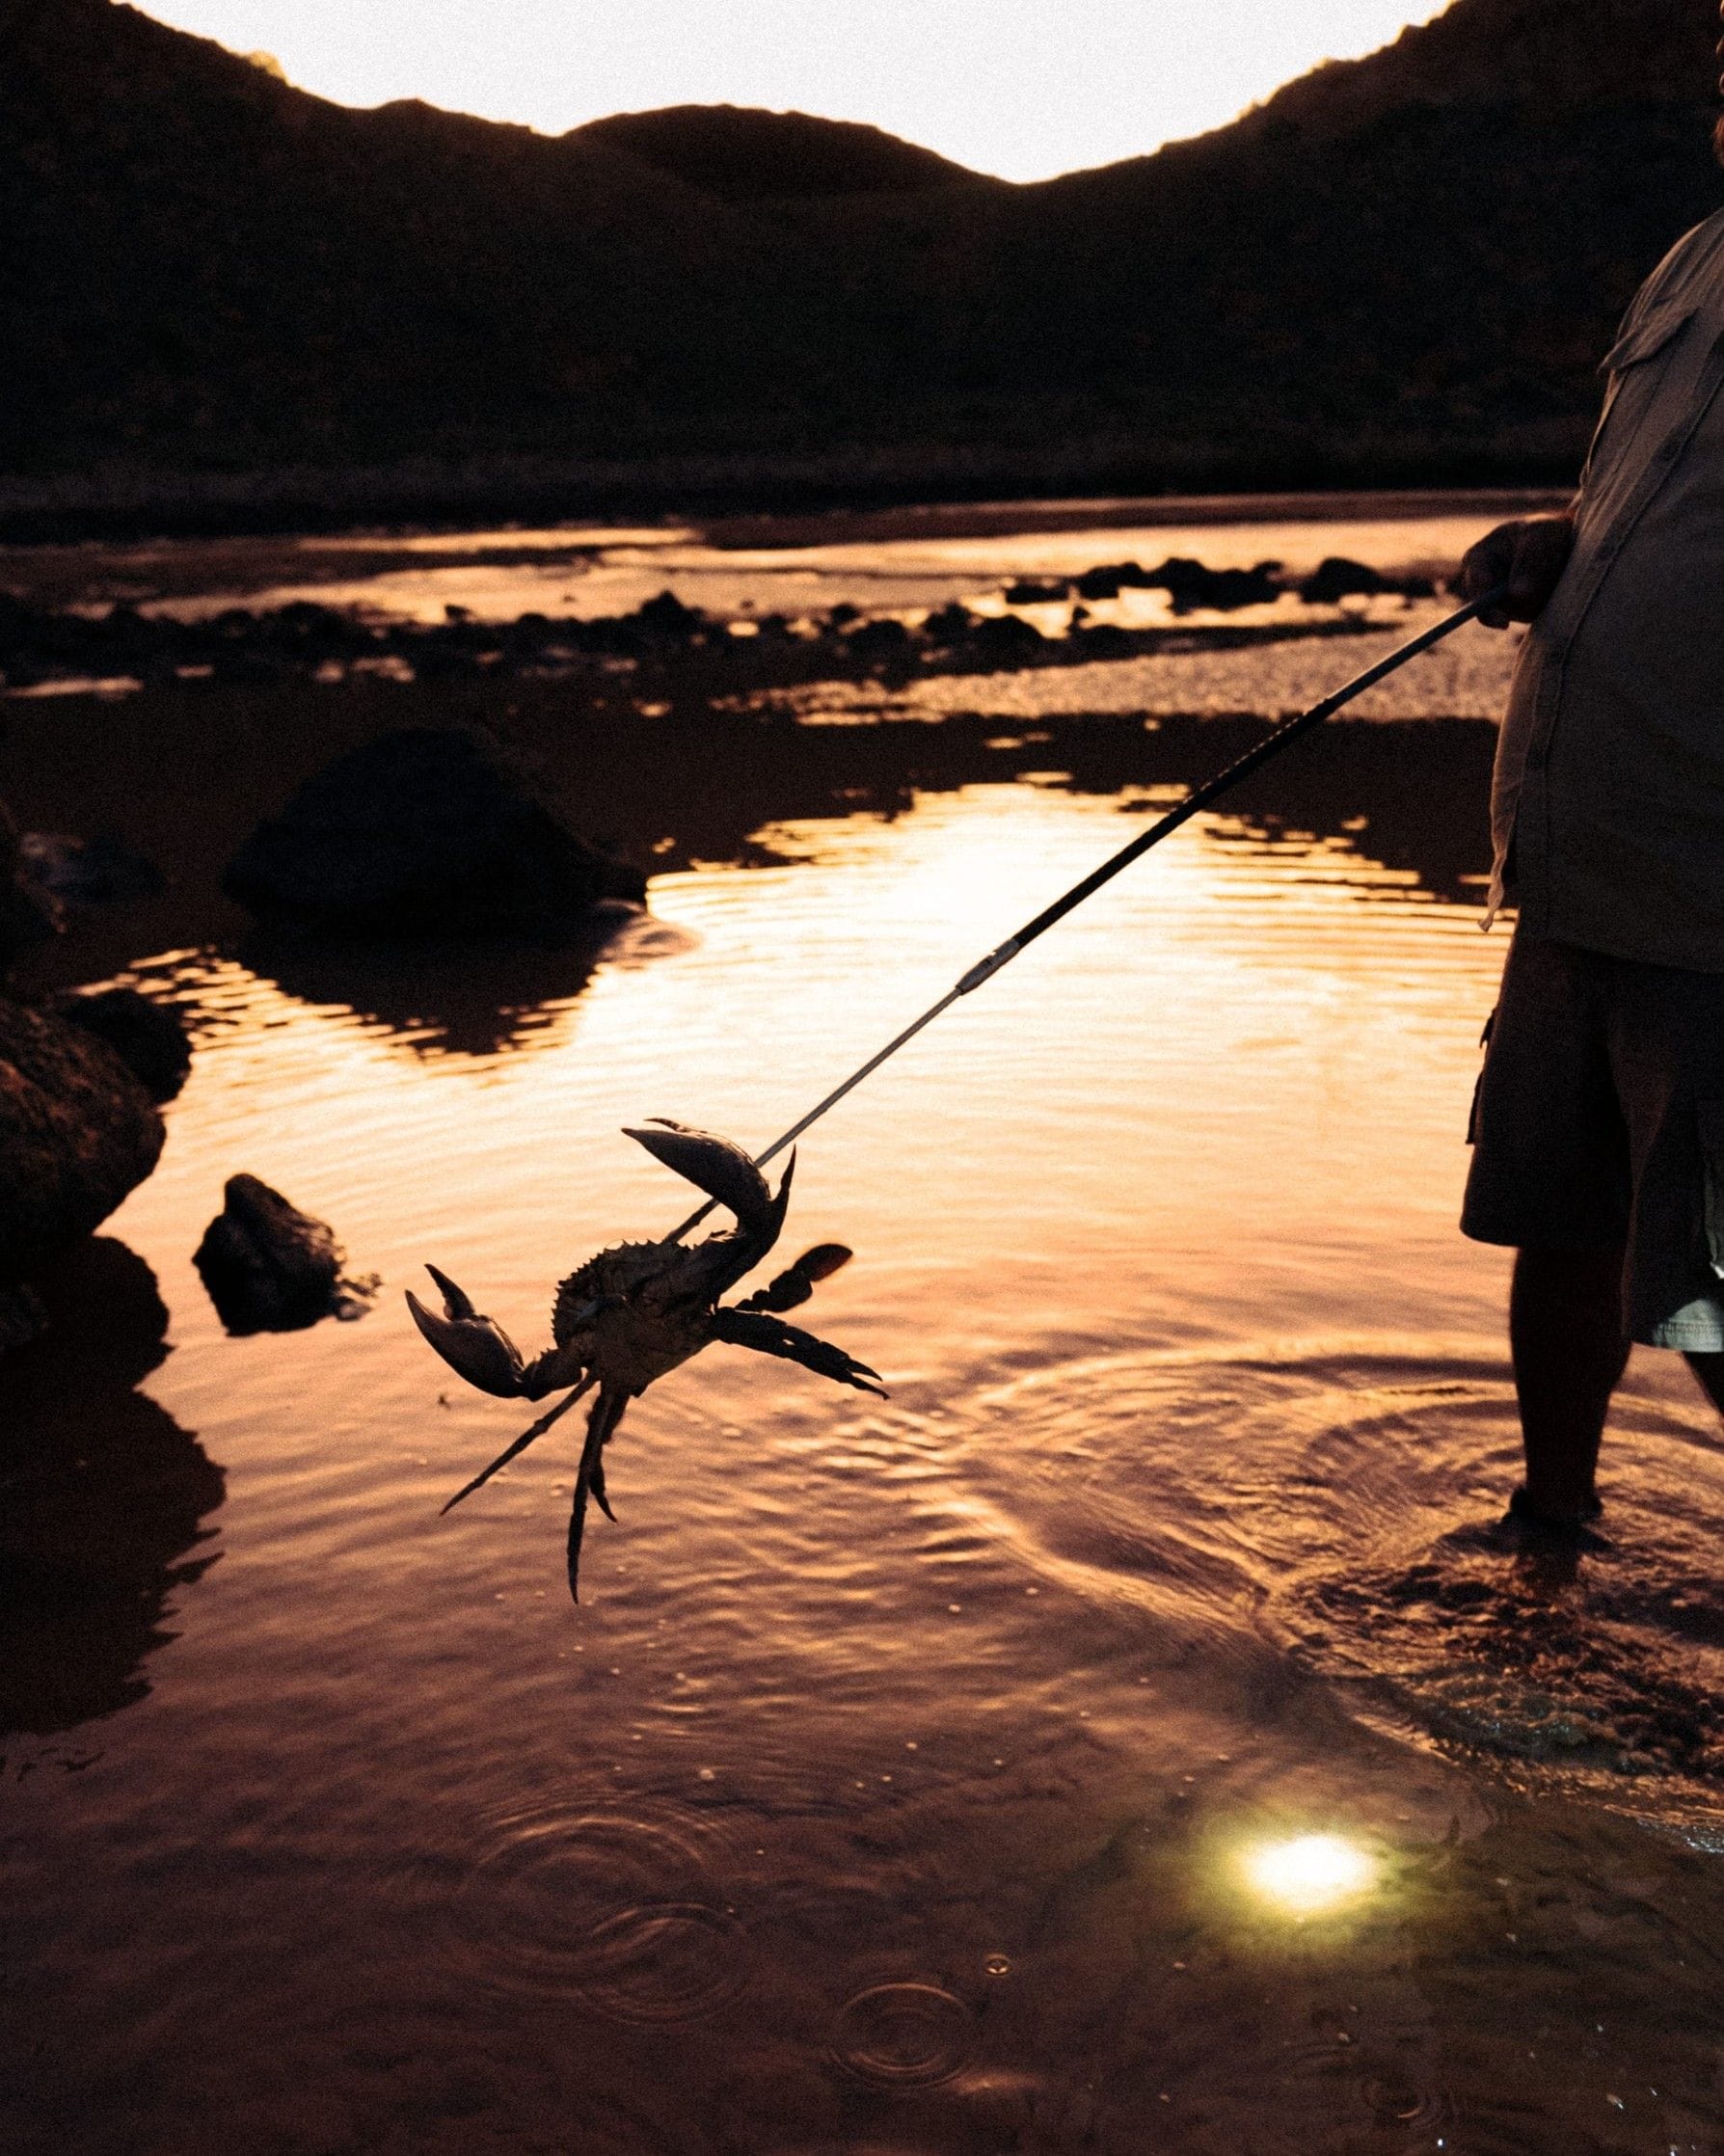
[{"x": 637, "y": 1311}]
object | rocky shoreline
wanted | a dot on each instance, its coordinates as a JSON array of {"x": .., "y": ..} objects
[{"x": 121, "y": 649}]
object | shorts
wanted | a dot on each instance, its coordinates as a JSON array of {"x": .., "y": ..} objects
[{"x": 1599, "y": 1118}]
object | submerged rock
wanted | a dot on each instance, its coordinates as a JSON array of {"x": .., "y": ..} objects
[
  {"x": 270, "y": 1268},
  {"x": 78, "y": 1133},
  {"x": 425, "y": 832}
]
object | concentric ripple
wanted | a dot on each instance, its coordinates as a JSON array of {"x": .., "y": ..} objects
[
  {"x": 1347, "y": 1502},
  {"x": 621, "y": 1912},
  {"x": 902, "y": 2035}
]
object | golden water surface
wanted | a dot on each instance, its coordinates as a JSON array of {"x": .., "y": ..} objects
[{"x": 1130, "y": 1736}]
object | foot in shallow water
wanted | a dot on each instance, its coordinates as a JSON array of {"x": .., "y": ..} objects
[{"x": 1528, "y": 1522}]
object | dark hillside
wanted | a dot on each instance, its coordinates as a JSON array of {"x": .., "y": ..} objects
[
  {"x": 1399, "y": 269},
  {"x": 752, "y": 157}
]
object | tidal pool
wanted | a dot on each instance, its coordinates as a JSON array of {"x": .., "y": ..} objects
[{"x": 1130, "y": 1736}]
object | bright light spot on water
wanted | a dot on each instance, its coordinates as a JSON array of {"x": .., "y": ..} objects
[{"x": 1313, "y": 1872}]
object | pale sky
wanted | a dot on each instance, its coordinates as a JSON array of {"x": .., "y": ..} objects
[{"x": 1022, "y": 88}]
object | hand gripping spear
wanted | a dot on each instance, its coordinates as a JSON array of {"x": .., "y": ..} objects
[{"x": 1003, "y": 954}]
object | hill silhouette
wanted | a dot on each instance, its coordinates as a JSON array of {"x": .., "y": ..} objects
[
  {"x": 744, "y": 156},
  {"x": 1401, "y": 268}
]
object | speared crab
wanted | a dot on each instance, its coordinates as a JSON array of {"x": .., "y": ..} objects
[{"x": 639, "y": 1309}]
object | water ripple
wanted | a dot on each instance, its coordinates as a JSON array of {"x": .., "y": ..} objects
[
  {"x": 902, "y": 2035},
  {"x": 622, "y": 1912}
]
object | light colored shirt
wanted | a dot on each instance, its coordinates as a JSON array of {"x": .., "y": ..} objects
[{"x": 1608, "y": 807}]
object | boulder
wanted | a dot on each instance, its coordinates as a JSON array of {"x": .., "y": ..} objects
[
  {"x": 148, "y": 1037},
  {"x": 1193, "y": 585},
  {"x": 1335, "y": 578},
  {"x": 425, "y": 832},
  {"x": 28, "y": 914},
  {"x": 270, "y": 1268},
  {"x": 102, "y": 870},
  {"x": 77, "y": 1134}
]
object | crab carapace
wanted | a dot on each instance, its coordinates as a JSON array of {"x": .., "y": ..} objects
[{"x": 639, "y": 1309}]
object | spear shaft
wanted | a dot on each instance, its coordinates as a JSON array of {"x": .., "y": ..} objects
[{"x": 1193, "y": 804}]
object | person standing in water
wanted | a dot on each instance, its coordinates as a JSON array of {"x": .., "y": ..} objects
[{"x": 1597, "y": 1127}]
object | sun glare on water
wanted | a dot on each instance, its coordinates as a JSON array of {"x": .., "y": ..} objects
[{"x": 1311, "y": 1874}]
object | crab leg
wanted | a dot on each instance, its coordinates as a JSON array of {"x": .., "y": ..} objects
[
  {"x": 520, "y": 1443},
  {"x": 607, "y": 1413}
]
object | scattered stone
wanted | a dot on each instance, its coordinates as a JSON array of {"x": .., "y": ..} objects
[
  {"x": 950, "y": 623},
  {"x": 270, "y": 1268},
  {"x": 1109, "y": 580},
  {"x": 77, "y": 1134},
  {"x": 28, "y": 914},
  {"x": 1005, "y": 641},
  {"x": 1192, "y": 586},
  {"x": 1029, "y": 592},
  {"x": 1335, "y": 578},
  {"x": 101, "y": 871},
  {"x": 425, "y": 832},
  {"x": 880, "y": 642},
  {"x": 148, "y": 1037}
]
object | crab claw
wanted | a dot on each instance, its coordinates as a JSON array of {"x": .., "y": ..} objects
[
  {"x": 475, "y": 1347},
  {"x": 715, "y": 1164},
  {"x": 771, "y": 1335},
  {"x": 797, "y": 1281}
]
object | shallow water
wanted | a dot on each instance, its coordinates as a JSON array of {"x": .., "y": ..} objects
[{"x": 893, "y": 1789}]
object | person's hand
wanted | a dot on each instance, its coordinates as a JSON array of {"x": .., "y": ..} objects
[{"x": 1524, "y": 560}]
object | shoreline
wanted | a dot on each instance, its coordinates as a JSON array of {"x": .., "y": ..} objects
[{"x": 133, "y": 504}]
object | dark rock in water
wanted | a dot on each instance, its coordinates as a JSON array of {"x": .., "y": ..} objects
[
  {"x": 101, "y": 871},
  {"x": 270, "y": 1268},
  {"x": 77, "y": 1134},
  {"x": 950, "y": 623},
  {"x": 28, "y": 914},
  {"x": 1108, "y": 580},
  {"x": 148, "y": 1037},
  {"x": 1335, "y": 578},
  {"x": 668, "y": 621},
  {"x": 879, "y": 642},
  {"x": 1029, "y": 592},
  {"x": 1193, "y": 585},
  {"x": 425, "y": 832},
  {"x": 1005, "y": 640}
]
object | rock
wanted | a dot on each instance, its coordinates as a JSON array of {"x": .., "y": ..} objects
[
  {"x": 28, "y": 914},
  {"x": 950, "y": 625},
  {"x": 1109, "y": 579},
  {"x": 270, "y": 1268},
  {"x": 1335, "y": 578},
  {"x": 77, "y": 1134},
  {"x": 1193, "y": 585},
  {"x": 148, "y": 1037},
  {"x": 86, "y": 872},
  {"x": 668, "y": 621},
  {"x": 1033, "y": 592},
  {"x": 878, "y": 643},
  {"x": 425, "y": 832},
  {"x": 1005, "y": 641}
]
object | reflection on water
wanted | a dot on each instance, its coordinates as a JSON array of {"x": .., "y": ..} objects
[
  {"x": 102, "y": 1499},
  {"x": 899, "y": 1787},
  {"x": 453, "y": 999}
]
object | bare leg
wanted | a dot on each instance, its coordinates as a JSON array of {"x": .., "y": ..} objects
[
  {"x": 1566, "y": 1331},
  {"x": 1708, "y": 1369}
]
